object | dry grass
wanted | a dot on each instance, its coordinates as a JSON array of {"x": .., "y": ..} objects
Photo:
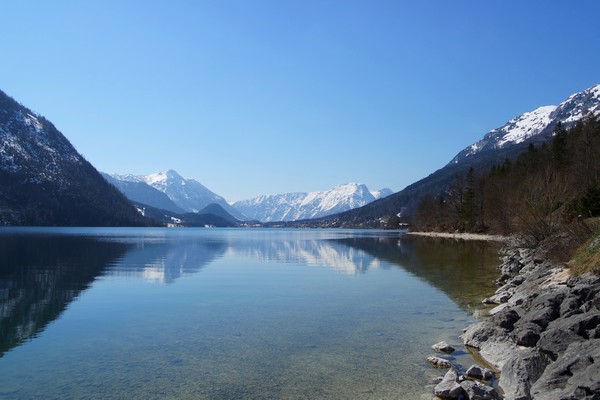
[{"x": 587, "y": 257}]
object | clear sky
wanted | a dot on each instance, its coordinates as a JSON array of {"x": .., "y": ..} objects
[{"x": 263, "y": 97}]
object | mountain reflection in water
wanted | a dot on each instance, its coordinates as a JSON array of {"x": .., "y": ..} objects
[
  {"x": 463, "y": 269},
  {"x": 40, "y": 274}
]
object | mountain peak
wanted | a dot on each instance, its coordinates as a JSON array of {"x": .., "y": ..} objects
[
  {"x": 187, "y": 194},
  {"x": 171, "y": 173},
  {"x": 162, "y": 177}
]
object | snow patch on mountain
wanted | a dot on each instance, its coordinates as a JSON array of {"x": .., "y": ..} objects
[
  {"x": 381, "y": 193},
  {"x": 540, "y": 121},
  {"x": 29, "y": 141},
  {"x": 525, "y": 126}
]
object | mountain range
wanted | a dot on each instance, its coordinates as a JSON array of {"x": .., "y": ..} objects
[
  {"x": 302, "y": 205},
  {"x": 171, "y": 192},
  {"x": 496, "y": 146}
]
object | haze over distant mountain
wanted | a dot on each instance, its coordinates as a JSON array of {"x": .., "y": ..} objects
[
  {"x": 497, "y": 145},
  {"x": 170, "y": 191},
  {"x": 45, "y": 181},
  {"x": 296, "y": 206}
]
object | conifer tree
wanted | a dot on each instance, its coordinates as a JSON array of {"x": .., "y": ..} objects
[
  {"x": 559, "y": 146},
  {"x": 467, "y": 211}
]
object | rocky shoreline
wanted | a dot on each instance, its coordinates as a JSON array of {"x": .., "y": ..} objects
[{"x": 543, "y": 337}]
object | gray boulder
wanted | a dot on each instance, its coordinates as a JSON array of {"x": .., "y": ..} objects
[
  {"x": 522, "y": 368},
  {"x": 562, "y": 332},
  {"x": 571, "y": 305},
  {"x": 477, "y": 372},
  {"x": 505, "y": 319},
  {"x": 526, "y": 333},
  {"x": 544, "y": 308},
  {"x": 449, "y": 388},
  {"x": 479, "y": 391},
  {"x": 574, "y": 375}
]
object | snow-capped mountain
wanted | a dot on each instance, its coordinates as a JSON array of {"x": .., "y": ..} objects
[
  {"x": 188, "y": 195},
  {"x": 536, "y": 125},
  {"x": 141, "y": 192},
  {"x": 45, "y": 181},
  {"x": 380, "y": 194},
  {"x": 296, "y": 206}
]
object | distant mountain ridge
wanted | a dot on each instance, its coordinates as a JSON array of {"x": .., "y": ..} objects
[
  {"x": 45, "y": 181},
  {"x": 170, "y": 191},
  {"x": 302, "y": 205},
  {"x": 509, "y": 140}
]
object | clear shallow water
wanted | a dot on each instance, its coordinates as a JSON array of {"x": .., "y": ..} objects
[{"x": 231, "y": 313}]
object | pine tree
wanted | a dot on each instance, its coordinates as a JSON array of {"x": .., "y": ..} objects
[
  {"x": 559, "y": 146},
  {"x": 467, "y": 210}
]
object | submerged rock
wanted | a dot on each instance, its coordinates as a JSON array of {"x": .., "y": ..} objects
[
  {"x": 498, "y": 298},
  {"x": 439, "y": 362},
  {"x": 443, "y": 347}
]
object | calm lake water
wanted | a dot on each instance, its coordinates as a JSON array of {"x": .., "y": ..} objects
[{"x": 231, "y": 313}]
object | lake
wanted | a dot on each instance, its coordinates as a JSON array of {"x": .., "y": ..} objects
[{"x": 115, "y": 313}]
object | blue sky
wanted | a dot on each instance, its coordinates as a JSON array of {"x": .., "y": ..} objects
[{"x": 258, "y": 97}]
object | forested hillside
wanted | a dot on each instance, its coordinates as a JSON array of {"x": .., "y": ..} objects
[{"x": 547, "y": 189}]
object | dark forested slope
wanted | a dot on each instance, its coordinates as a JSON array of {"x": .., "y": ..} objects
[{"x": 45, "y": 181}]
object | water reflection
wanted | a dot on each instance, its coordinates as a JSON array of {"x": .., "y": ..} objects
[
  {"x": 464, "y": 270},
  {"x": 41, "y": 275},
  {"x": 168, "y": 260},
  {"x": 338, "y": 255}
]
